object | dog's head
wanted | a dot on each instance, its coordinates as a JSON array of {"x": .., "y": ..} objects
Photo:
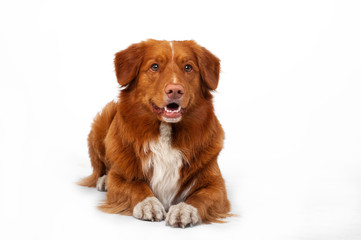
[{"x": 168, "y": 78}]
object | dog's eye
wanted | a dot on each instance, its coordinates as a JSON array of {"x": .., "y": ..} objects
[
  {"x": 188, "y": 68},
  {"x": 155, "y": 67}
]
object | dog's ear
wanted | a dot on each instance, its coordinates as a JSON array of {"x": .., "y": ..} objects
[
  {"x": 209, "y": 66},
  {"x": 127, "y": 63}
]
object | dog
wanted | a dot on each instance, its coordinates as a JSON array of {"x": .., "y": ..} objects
[{"x": 155, "y": 149}]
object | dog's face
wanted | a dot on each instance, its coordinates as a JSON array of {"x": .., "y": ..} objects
[{"x": 169, "y": 78}]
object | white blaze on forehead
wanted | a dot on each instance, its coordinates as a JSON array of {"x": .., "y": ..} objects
[{"x": 172, "y": 49}]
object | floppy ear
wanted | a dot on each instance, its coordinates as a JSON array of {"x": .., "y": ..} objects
[
  {"x": 209, "y": 66},
  {"x": 127, "y": 63}
]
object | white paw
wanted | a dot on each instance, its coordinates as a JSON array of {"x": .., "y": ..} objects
[
  {"x": 102, "y": 184},
  {"x": 150, "y": 209},
  {"x": 181, "y": 215}
]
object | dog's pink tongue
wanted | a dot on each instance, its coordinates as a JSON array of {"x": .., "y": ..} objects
[{"x": 172, "y": 114}]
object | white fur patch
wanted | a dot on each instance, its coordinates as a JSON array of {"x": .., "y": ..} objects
[
  {"x": 172, "y": 48},
  {"x": 171, "y": 120},
  {"x": 185, "y": 192},
  {"x": 181, "y": 215},
  {"x": 102, "y": 184},
  {"x": 149, "y": 209},
  {"x": 166, "y": 162}
]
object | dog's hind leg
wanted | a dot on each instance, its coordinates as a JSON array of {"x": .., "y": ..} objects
[
  {"x": 96, "y": 146},
  {"x": 102, "y": 184},
  {"x": 99, "y": 169}
]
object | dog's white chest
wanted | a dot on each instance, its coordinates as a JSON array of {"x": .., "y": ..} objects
[{"x": 166, "y": 162}]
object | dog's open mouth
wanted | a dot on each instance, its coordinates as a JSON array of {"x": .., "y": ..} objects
[{"x": 172, "y": 112}]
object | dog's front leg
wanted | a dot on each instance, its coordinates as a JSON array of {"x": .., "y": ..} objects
[
  {"x": 206, "y": 203},
  {"x": 132, "y": 197}
]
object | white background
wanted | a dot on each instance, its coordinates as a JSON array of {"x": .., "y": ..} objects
[{"x": 289, "y": 100}]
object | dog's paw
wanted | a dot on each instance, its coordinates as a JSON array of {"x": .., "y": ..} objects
[
  {"x": 102, "y": 184},
  {"x": 182, "y": 215},
  {"x": 150, "y": 209}
]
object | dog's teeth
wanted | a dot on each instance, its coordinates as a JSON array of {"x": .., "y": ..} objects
[{"x": 170, "y": 110}]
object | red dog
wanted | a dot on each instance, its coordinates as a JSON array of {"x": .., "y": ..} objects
[{"x": 155, "y": 150}]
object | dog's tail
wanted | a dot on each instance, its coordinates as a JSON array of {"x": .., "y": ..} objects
[{"x": 90, "y": 181}]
